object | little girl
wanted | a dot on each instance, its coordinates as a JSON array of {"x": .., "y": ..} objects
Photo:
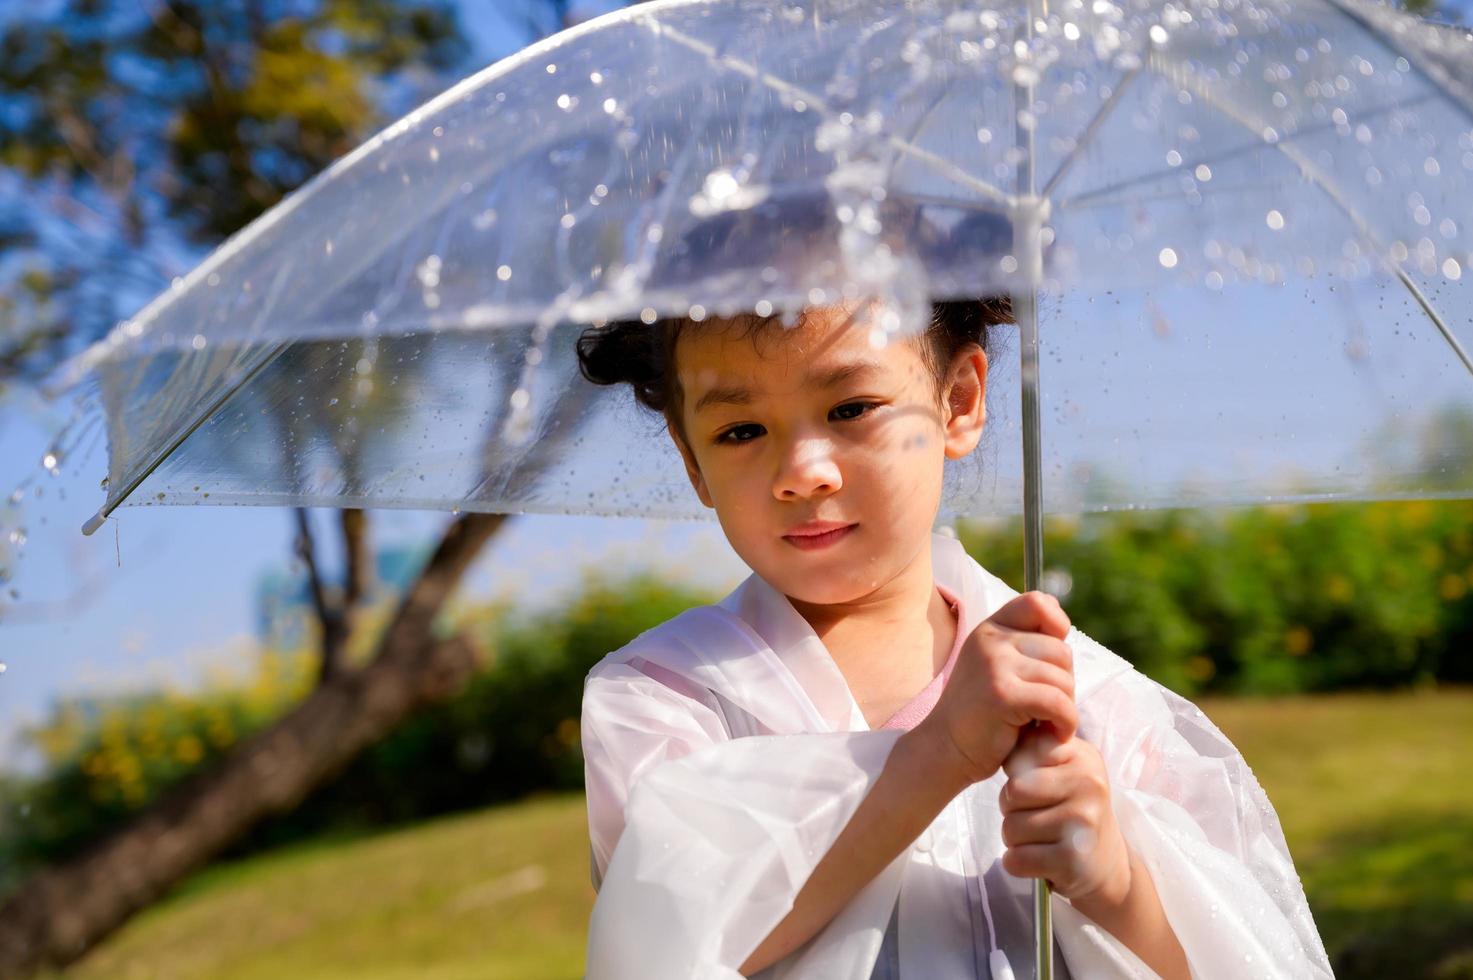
[{"x": 853, "y": 765}]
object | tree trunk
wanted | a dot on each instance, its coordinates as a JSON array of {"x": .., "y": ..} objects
[{"x": 62, "y": 912}]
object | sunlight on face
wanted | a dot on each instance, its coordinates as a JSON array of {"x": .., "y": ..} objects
[{"x": 792, "y": 426}]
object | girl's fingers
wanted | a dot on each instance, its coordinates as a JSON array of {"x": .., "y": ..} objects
[
  {"x": 1037, "y": 747},
  {"x": 1028, "y": 861},
  {"x": 1043, "y": 825},
  {"x": 1033, "y": 612},
  {"x": 1046, "y": 702},
  {"x": 1049, "y": 649},
  {"x": 1038, "y": 672},
  {"x": 1036, "y": 788},
  {"x": 1063, "y": 861}
]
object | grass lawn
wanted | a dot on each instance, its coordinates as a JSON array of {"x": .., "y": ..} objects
[{"x": 1375, "y": 793}]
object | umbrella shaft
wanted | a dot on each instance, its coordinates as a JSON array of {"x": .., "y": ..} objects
[{"x": 1025, "y": 309}]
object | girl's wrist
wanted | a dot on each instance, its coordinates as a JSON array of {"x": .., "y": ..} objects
[{"x": 934, "y": 759}]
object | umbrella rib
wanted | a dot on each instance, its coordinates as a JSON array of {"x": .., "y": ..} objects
[
  {"x": 1324, "y": 183},
  {"x": 782, "y": 86},
  {"x": 268, "y": 357},
  {"x": 1448, "y": 86},
  {"x": 1218, "y": 190},
  {"x": 1089, "y": 132},
  {"x": 1088, "y": 197}
]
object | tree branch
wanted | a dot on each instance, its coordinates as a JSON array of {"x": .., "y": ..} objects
[
  {"x": 331, "y": 622},
  {"x": 357, "y": 556}
]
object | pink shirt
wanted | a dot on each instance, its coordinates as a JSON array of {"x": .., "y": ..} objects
[{"x": 920, "y": 706}]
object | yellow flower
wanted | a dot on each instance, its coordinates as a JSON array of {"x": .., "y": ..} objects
[
  {"x": 1452, "y": 588},
  {"x": 219, "y": 732},
  {"x": 188, "y": 750},
  {"x": 1297, "y": 641},
  {"x": 1201, "y": 669}
]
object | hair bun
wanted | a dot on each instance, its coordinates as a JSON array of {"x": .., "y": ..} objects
[{"x": 626, "y": 351}]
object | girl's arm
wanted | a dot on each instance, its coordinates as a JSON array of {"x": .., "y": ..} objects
[
  {"x": 1014, "y": 668},
  {"x": 1137, "y": 919},
  {"x": 920, "y": 777}
]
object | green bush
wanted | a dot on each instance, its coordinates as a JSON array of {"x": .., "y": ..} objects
[
  {"x": 1267, "y": 600},
  {"x": 108, "y": 757},
  {"x": 512, "y": 730}
]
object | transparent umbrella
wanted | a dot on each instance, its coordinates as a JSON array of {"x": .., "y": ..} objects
[{"x": 1234, "y": 234}]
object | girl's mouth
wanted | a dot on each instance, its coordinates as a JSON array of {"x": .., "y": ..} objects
[{"x": 813, "y": 542}]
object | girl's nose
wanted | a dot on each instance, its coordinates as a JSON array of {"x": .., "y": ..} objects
[{"x": 807, "y": 469}]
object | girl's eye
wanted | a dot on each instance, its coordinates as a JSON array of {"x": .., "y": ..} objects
[
  {"x": 733, "y": 434},
  {"x": 862, "y": 407}
]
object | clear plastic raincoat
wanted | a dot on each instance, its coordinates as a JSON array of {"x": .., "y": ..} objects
[{"x": 724, "y": 754}]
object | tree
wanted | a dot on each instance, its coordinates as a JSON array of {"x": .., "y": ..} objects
[{"x": 132, "y": 138}]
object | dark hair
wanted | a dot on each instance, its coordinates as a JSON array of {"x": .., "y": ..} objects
[
  {"x": 797, "y": 223},
  {"x": 643, "y": 354}
]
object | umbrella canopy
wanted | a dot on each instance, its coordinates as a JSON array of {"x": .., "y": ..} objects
[{"x": 1246, "y": 226}]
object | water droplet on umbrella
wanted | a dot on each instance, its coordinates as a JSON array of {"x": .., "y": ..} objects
[
  {"x": 1025, "y": 75},
  {"x": 1451, "y": 269},
  {"x": 1167, "y": 258},
  {"x": 428, "y": 272},
  {"x": 106, "y": 482},
  {"x": 503, "y": 272},
  {"x": 1275, "y": 220}
]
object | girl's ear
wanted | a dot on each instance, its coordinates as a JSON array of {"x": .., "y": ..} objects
[
  {"x": 966, "y": 401},
  {"x": 692, "y": 468}
]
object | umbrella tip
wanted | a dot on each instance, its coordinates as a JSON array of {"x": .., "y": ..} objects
[{"x": 93, "y": 523}]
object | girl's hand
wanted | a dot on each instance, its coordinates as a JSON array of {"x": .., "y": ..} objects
[
  {"x": 1058, "y": 821},
  {"x": 1012, "y": 670}
]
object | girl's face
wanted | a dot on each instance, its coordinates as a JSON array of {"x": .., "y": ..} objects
[{"x": 809, "y": 429}]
